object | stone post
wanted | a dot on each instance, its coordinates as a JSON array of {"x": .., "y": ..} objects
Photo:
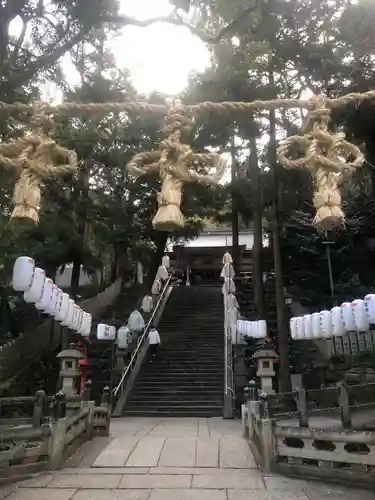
[
  {"x": 344, "y": 405},
  {"x": 106, "y": 397},
  {"x": 39, "y": 408},
  {"x": 57, "y": 443},
  {"x": 87, "y": 392},
  {"x": 267, "y": 445},
  {"x": 253, "y": 391},
  {"x": 303, "y": 418},
  {"x": 59, "y": 406}
]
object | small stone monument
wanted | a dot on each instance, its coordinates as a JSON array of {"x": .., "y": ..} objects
[
  {"x": 265, "y": 358},
  {"x": 69, "y": 371}
]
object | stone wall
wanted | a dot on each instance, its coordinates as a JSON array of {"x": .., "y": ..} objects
[{"x": 30, "y": 346}]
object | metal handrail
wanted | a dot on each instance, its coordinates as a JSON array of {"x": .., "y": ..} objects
[
  {"x": 228, "y": 379},
  {"x": 143, "y": 336}
]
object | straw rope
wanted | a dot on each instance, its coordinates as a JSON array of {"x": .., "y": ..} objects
[
  {"x": 32, "y": 157},
  {"x": 175, "y": 163},
  {"x": 328, "y": 156},
  {"x": 104, "y": 108}
]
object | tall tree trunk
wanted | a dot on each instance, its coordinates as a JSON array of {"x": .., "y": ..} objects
[
  {"x": 282, "y": 332},
  {"x": 235, "y": 221},
  {"x": 83, "y": 191},
  {"x": 257, "y": 252}
]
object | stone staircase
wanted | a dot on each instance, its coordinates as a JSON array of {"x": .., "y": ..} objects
[{"x": 187, "y": 377}]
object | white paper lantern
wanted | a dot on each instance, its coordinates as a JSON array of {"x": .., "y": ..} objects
[
  {"x": 122, "y": 337},
  {"x": 23, "y": 274},
  {"x": 34, "y": 293},
  {"x": 106, "y": 332},
  {"x": 300, "y": 329},
  {"x": 316, "y": 326},
  {"x": 227, "y": 271},
  {"x": 74, "y": 323},
  {"x": 156, "y": 287},
  {"x": 45, "y": 301},
  {"x": 166, "y": 262},
  {"x": 370, "y": 307},
  {"x": 326, "y": 323},
  {"x": 86, "y": 325},
  {"x": 293, "y": 328},
  {"x": 147, "y": 304},
  {"x": 232, "y": 301},
  {"x": 348, "y": 316},
  {"x": 69, "y": 317},
  {"x": 360, "y": 317},
  {"x": 62, "y": 307},
  {"x": 51, "y": 309},
  {"x": 245, "y": 328},
  {"x": 261, "y": 329},
  {"x": 227, "y": 258},
  {"x": 338, "y": 328},
  {"x": 228, "y": 286},
  {"x": 307, "y": 326},
  {"x": 80, "y": 320},
  {"x": 232, "y": 317},
  {"x": 162, "y": 273}
]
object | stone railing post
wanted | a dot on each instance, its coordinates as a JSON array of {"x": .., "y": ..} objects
[
  {"x": 267, "y": 444},
  {"x": 39, "y": 408},
  {"x": 263, "y": 406},
  {"x": 59, "y": 409},
  {"x": 344, "y": 405},
  {"x": 57, "y": 443},
  {"x": 90, "y": 418},
  {"x": 246, "y": 394},
  {"x": 87, "y": 391},
  {"x": 303, "y": 418},
  {"x": 106, "y": 397},
  {"x": 253, "y": 391}
]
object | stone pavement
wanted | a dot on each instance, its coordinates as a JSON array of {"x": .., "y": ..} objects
[{"x": 171, "y": 459}]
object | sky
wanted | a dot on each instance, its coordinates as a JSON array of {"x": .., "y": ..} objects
[{"x": 160, "y": 57}]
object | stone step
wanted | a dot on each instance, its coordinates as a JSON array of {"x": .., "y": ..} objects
[{"x": 176, "y": 411}]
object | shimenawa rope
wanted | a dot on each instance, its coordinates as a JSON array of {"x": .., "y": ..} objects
[{"x": 328, "y": 156}]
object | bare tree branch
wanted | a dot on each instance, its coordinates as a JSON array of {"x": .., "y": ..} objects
[{"x": 229, "y": 30}]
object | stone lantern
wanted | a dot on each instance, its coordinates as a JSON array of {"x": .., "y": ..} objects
[
  {"x": 69, "y": 369},
  {"x": 265, "y": 359}
]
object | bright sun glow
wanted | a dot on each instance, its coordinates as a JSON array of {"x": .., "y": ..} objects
[{"x": 161, "y": 56}]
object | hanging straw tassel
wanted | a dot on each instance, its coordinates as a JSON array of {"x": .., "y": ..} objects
[
  {"x": 26, "y": 199},
  {"x": 169, "y": 216},
  {"x": 176, "y": 164},
  {"x": 327, "y": 156},
  {"x": 33, "y": 157}
]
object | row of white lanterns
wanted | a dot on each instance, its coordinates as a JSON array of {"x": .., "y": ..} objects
[
  {"x": 48, "y": 297},
  {"x": 349, "y": 317},
  {"x": 253, "y": 329},
  {"x": 108, "y": 332}
]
